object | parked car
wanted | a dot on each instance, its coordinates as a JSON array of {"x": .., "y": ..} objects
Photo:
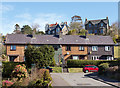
[
  {"x": 90, "y": 68},
  {"x": 50, "y": 69}
]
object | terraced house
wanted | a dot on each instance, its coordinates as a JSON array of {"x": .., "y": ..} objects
[{"x": 91, "y": 47}]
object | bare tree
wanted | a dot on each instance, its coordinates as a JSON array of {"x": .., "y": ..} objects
[{"x": 76, "y": 23}]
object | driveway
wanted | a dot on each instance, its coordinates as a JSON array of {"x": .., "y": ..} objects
[{"x": 76, "y": 79}]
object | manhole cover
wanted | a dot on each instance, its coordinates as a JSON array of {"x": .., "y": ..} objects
[{"x": 83, "y": 84}]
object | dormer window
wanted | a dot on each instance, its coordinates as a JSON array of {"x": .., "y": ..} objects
[
  {"x": 101, "y": 24},
  {"x": 89, "y": 25},
  {"x": 58, "y": 29}
]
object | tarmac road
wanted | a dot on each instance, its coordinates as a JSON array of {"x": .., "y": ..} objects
[{"x": 76, "y": 79}]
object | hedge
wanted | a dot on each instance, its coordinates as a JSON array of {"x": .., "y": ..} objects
[
  {"x": 82, "y": 63},
  {"x": 8, "y": 68}
]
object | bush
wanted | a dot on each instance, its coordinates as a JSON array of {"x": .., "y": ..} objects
[
  {"x": 20, "y": 72},
  {"x": 8, "y": 67},
  {"x": 82, "y": 63},
  {"x": 42, "y": 78},
  {"x": 6, "y": 83},
  {"x": 103, "y": 68}
]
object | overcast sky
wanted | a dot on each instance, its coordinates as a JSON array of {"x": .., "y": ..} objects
[{"x": 28, "y": 13}]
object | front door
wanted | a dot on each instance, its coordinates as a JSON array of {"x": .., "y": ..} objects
[{"x": 12, "y": 58}]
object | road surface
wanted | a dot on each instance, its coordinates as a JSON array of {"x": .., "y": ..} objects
[{"x": 76, "y": 79}]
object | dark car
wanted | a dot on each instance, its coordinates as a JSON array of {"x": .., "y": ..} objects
[
  {"x": 90, "y": 68},
  {"x": 50, "y": 69}
]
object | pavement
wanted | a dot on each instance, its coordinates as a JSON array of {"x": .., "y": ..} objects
[{"x": 80, "y": 80}]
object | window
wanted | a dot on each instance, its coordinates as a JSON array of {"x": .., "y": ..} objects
[
  {"x": 48, "y": 32},
  {"x": 57, "y": 30},
  {"x": 107, "y": 48},
  {"x": 90, "y": 31},
  {"x": 95, "y": 30},
  {"x": 94, "y": 48},
  {"x": 95, "y": 57},
  {"x": 75, "y": 57},
  {"x": 53, "y": 32},
  {"x": 24, "y": 58},
  {"x": 68, "y": 48},
  {"x": 89, "y": 25},
  {"x": 101, "y": 31},
  {"x": 26, "y": 47},
  {"x": 13, "y": 47},
  {"x": 101, "y": 24},
  {"x": 95, "y": 25},
  {"x": 81, "y": 48}
]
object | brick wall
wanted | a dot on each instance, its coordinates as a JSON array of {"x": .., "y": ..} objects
[{"x": 74, "y": 51}]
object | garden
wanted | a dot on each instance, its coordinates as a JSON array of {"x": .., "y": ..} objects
[{"x": 29, "y": 73}]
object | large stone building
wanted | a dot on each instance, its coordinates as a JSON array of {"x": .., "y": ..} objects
[
  {"x": 68, "y": 46},
  {"x": 100, "y": 26}
]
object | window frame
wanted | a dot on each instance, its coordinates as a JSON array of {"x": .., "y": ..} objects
[
  {"x": 12, "y": 47},
  {"x": 95, "y": 57},
  {"x": 68, "y": 48},
  {"x": 81, "y": 48},
  {"x": 107, "y": 48},
  {"x": 93, "y": 49},
  {"x": 76, "y": 56}
]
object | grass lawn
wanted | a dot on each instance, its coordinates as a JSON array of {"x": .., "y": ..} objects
[
  {"x": 57, "y": 69},
  {"x": 116, "y": 51},
  {"x": 75, "y": 70}
]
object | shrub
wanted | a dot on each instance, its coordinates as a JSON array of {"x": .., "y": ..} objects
[
  {"x": 82, "y": 63},
  {"x": 42, "y": 78},
  {"x": 19, "y": 72},
  {"x": 103, "y": 67},
  {"x": 8, "y": 67},
  {"x": 6, "y": 83}
]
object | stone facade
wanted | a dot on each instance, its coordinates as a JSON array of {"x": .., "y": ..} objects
[{"x": 97, "y": 26}]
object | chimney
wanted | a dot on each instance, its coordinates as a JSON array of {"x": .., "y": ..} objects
[
  {"x": 56, "y": 23},
  {"x": 107, "y": 17},
  {"x": 86, "y": 34},
  {"x": 66, "y": 23},
  {"x": 60, "y": 34},
  {"x": 85, "y": 19}
]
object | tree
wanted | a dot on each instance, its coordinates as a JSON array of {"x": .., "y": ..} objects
[
  {"x": 82, "y": 32},
  {"x": 26, "y": 29},
  {"x": 72, "y": 32},
  {"x": 76, "y": 23},
  {"x": 40, "y": 32},
  {"x": 17, "y": 29},
  {"x": 40, "y": 56}
]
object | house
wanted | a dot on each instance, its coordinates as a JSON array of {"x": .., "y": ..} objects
[
  {"x": 99, "y": 27},
  {"x": 89, "y": 47},
  {"x": 54, "y": 29}
]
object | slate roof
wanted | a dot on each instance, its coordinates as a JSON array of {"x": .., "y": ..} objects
[
  {"x": 96, "y": 21},
  {"x": 66, "y": 39}
]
